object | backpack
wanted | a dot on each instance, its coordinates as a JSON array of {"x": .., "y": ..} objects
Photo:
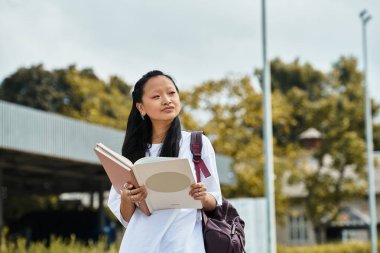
[{"x": 223, "y": 229}]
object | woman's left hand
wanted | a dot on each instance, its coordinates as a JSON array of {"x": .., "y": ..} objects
[{"x": 198, "y": 191}]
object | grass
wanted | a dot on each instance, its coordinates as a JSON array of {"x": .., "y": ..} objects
[{"x": 72, "y": 245}]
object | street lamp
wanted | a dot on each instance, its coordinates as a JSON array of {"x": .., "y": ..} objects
[
  {"x": 365, "y": 17},
  {"x": 268, "y": 142}
]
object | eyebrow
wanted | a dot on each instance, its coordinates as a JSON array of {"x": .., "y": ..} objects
[{"x": 159, "y": 90}]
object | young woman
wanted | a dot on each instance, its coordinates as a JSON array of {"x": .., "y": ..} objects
[{"x": 154, "y": 129}]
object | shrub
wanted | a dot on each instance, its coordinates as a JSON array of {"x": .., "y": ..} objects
[
  {"x": 352, "y": 247},
  {"x": 56, "y": 245}
]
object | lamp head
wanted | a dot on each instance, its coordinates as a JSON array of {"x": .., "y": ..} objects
[
  {"x": 363, "y": 13},
  {"x": 366, "y": 19}
]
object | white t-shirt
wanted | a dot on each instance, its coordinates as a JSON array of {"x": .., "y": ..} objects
[{"x": 169, "y": 230}]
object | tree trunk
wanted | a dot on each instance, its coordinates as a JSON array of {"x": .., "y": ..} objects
[{"x": 320, "y": 234}]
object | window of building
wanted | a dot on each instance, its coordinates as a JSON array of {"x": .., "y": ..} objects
[{"x": 297, "y": 225}]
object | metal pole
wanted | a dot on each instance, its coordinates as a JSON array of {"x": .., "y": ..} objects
[
  {"x": 268, "y": 143},
  {"x": 1, "y": 207},
  {"x": 369, "y": 140}
]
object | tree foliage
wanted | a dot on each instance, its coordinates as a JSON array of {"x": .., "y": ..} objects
[
  {"x": 337, "y": 111},
  {"x": 295, "y": 75},
  {"x": 230, "y": 112},
  {"x": 72, "y": 92}
]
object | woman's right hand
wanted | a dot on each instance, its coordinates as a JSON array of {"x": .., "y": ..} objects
[
  {"x": 131, "y": 194},
  {"x": 130, "y": 197}
]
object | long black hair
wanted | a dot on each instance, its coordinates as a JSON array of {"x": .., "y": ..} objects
[{"x": 138, "y": 136}]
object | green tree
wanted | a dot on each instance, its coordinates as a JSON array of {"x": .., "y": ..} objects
[
  {"x": 337, "y": 112},
  {"x": 295, "y": 75},
  {"x": 230, "y": 113},
  {"x": 301, "y": 84},
  {"x": 34, "y": 87},
  {"x": 91, "y": 99},
  {"x": 72, "y": 92}
]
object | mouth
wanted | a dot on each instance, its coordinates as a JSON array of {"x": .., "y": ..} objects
[{"x": 168, "y": 109}]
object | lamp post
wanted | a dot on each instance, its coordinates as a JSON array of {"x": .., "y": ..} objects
[
  {"x": 365, "y": 17},
  {"x": 268, "y": 142}
]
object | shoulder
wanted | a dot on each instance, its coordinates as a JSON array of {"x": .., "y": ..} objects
[
  {"x": 186, "y": 135},
  {"x": 186, "y": 140}
]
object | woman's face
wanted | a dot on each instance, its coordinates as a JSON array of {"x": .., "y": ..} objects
[{"x": 160, "y": 100}]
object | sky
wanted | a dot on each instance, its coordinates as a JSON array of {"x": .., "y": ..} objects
[{"x": 194, "y": 41}]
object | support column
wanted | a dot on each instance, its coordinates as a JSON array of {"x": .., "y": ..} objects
[
  {"x": 1, "y": 204},
  {"x": 91, "y": 200},
  {"x": 101, "y": 212}
]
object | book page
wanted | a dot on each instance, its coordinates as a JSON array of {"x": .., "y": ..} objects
[
  {"x": 150, "y": 159},
  {"x": 167, "y": 182}
]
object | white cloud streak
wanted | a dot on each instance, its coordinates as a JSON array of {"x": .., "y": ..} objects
[{"x": 192, "y": 40}]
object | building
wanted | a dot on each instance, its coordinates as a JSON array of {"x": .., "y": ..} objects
[
  {"x": 352, "y": 222},
  {"x": 44, "y": 154}
]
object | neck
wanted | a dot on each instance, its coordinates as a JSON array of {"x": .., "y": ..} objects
[{"x": 159, "y": 132}]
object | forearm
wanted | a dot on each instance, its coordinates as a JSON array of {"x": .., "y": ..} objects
[
  {"x": 209, "y": 202},
  {"x": 130, "y": 197},
  {"x": 127, "y": 208}
]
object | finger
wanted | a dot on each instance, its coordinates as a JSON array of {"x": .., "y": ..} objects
[
  {"x": 129, "y": 186},
  {"x": 124, "y": 192},
  {"x": 195, "y": 194},
  {"x": 197, "y": 190},
  {"x": 143, "y": 195},
  {"x": 198, "y": 196},
  {"x": 196, "y": 185},
  {"x": 140, "y": 198},
  {"x": 137, "y": 191},
  {"x": 137, "y": 196}
]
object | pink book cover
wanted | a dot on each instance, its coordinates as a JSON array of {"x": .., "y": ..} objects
[{"x": 118, "y": 169}]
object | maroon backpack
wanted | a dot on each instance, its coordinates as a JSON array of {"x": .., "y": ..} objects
[{"x": 223, "y": 229}]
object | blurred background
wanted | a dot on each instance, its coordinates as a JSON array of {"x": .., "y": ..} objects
[{"x": 66, "y": 72}]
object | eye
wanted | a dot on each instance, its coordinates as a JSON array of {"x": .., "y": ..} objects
[
  {"x": 172, "y": 92},
  {"x": 156, "y": 97}
]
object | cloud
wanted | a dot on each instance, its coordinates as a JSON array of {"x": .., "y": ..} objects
[{"x": 192, "y": 40}]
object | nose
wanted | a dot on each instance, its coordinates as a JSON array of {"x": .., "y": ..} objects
[{"x": 166, "y": 100}]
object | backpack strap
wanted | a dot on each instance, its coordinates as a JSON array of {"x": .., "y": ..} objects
[{"x": 196, "y": 150}]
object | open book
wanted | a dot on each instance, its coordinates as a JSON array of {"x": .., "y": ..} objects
[{"x": 166, "y": 179}]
